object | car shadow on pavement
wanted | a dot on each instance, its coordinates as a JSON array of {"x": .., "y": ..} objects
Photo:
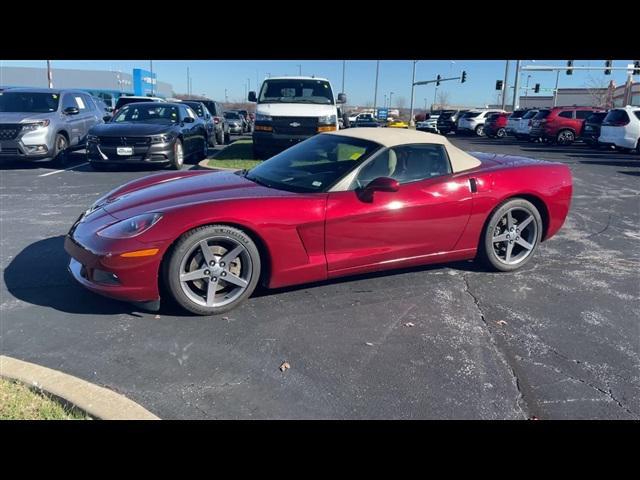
[
  {"x": 38, "y": 275},
  {"x": 634, "y": 174},
  {"x": 612, "y": 163}
]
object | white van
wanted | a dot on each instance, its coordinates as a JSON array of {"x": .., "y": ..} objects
[{"x": 292, "y": 109}]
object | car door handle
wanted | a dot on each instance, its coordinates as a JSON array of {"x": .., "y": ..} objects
[{"x": 473, "y": 185}]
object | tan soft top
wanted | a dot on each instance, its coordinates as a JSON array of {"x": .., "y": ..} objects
[{"x": 392, "y": 137}]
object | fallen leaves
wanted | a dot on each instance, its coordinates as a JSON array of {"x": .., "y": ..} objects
[{"x": 285, "y": 366}]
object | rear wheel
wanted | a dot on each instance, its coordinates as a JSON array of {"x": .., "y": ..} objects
[
  {"x": 565, "y": 137},
  {"x": 60, "y": 150},
  {"x": 212, "y": 269},
  {"x": 227, "y": 137},
  {"x": 511, "y": 235},
  {"x": 501, "y": 133},
  {"x": 480, "y": 130}
]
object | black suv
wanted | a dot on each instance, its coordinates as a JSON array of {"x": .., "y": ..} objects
[
  {"x": 448, "y": 121},
  {"x": 219, "y": 122},
  {"x": 591, "y": 130}
]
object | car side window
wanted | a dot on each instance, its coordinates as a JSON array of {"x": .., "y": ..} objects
[
  {"x": 637, "y": 114},
  {"x": 88, "y": 101},
  {"x": 566, "y": 114},
  {"x": 407, "y": 163},
  {"x": 582, "y": 114},
  {"x": 184, "y": 113}
]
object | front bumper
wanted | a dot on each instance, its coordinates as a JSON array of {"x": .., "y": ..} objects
[
  {"x": 272, "y": 141},
  {"x": 617, "y": 141},
  {"x": 156, "y": 153},
  {"x": 235, "y": 129},
  {"x": 103, "y": 270}
]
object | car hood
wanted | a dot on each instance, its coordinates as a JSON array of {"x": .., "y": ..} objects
[
  {"x": 21, "y": 117},
  {"x": 121, "y": 129},
  {"x": 169, "y": 192},
  {"x": 295, "y": 109}
]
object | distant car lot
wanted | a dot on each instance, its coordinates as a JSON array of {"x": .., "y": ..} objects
[{"x": 556, "y": 340}]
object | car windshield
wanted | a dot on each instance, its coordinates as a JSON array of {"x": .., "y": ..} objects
[
  {"x": 596, "y": 117},
  {"x": 296, "y": 91},
  {"x": 231, "y": 115},
  {"x": 313, "y": 165},
  {"x": 147, "y": 113},
  {"x": 28, "y": 102}
]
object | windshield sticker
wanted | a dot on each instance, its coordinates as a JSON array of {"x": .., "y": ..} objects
[
  {"x": 316, "y": 183},
  {"x": 80, "y": 103},
  {"x": 54, "y": 95},
  {"x": 355, "y": 156}
]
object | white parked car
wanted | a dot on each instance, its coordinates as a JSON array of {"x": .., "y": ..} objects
[
  {"x": 523, "y": 127},
  {"x": 513, "y": 121},
  {"x": 473, "y": 121},
  {"x": 621, "y": 128}
]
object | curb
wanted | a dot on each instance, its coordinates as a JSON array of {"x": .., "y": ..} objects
[
  {"x": 203, "y": 165},
  {"x": 100, "y": 403}
]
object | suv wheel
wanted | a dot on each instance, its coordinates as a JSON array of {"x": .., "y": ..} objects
[
  {"x": 501, "y": 133},
  {"x": 220, "y": 137},
  {"x": 565, "y": 137},
  {"x": 480, "y": 130},
  {"x": 60, "y": 152}
]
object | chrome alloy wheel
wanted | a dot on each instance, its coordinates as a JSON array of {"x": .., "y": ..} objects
[
  {"x": 515, "y": 236},
  {"x": 215, "y": 271},
  {"x": 178, "y": 153}
]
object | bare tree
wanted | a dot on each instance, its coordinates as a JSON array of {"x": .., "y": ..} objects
[
  {"x": 601, "y": 92},
  {"x": 400, "y": 102},
  {"x": 443, "y": 98}
]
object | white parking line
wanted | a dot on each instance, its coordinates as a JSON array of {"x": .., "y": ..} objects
[{"x": 58, "y": 171}]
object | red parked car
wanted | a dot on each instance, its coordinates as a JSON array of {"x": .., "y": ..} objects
[
  {"x": 561, "y": 125},
  {"x": 337, "y": 204},
  {"x": 495, "y": 126}
]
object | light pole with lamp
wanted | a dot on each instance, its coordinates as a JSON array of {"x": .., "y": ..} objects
[{"x": 413, "y": 88}]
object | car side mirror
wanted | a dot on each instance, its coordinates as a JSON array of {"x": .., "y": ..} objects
[
  {"x": 108, "y": 109},
  {"x": 380, "y": 184},
  {"x": 188, "y": 120},
  {"x": 342, "y": 98},
  {"x": 106, "y": 118},
  {"x": 252, "y": 96},
  {"x": 71, "y": 111}
]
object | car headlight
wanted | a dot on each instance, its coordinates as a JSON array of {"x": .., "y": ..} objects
[
  {"x": 164, "y": 138},
  {"x": 131, "y": 227},
  {"x": 263, "y": 118},
  {"x": 327, "y": 120},
  {"x": 27, "y": 127}
]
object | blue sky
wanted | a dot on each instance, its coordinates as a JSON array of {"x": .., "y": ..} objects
[{"x": 213, "y": 77}]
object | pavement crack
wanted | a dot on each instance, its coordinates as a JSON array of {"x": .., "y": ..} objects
[
  {"x": 520, "y": 401},
  {"x": 606, "y": 227}
]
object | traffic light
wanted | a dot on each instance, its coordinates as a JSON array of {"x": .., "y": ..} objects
[
  {"x": 636, "y": 67},
  {"x": 608, "y": 65},
  {"x": 464, "y": 77},
  {"x": 537, "y": 88},
  {"x": 438, "y": 80},
  {"x": 498, "y": 84},
  {"x": 569, "y": 67}
]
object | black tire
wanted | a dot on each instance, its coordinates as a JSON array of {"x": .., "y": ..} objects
[
  {"x": 221, "y": 233},
  {"x": 501, "y": 133},
  {"x": 638, "y": 147},
  {"x": 220, "y": 137},
  {"x": 227, "y": 138},
  {"x": 479, "y": 130},
  {"x": 60, "y": 150},
  {"x": 486, "y": 250},
  {"x": 212, "y": 139},
  {"x": 565, "y": 137},
  {"x": 204, "y": 151},
  {"x": 176, "y": 163}
]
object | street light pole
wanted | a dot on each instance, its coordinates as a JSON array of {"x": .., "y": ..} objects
[
  {"x": 299, "y": 69},
  {"x": 344, "y": 65},
  {"x": 49, "y": 76},
  {"x": 555, "y": 90},
  {"x": 413, "y": 87},
  {"x": 435, "y": 94},
  {"x": 504, "y": 84},
  {"x": 188, "y": 82},
  {"x": 516, "y": 94},
  {"x": 390, "y": 96},
  {"x": 151, "y": 70},
  {"x": 375, "y": 92}
]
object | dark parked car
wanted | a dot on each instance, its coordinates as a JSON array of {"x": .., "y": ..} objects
[
  {"x": 591, "y": 130},
  {"x": 148, "y": 133},
  {"x": 496, "y": 125},
  {"x": 207, "y": 118},
  {"x": 448, "y": 121},
  {"x": 219, "y": 122},
  {"x": 366, "y": 120}
]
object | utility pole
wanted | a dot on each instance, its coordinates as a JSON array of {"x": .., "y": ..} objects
[
  {"x": 390, "y": 95},
  {"x": 49, "y": 76},
  {"x": 375, "y": 92},
  {"x": 504, "y": 84},
  {"x": 555, "y": 90},
  {"x": 516, "y": 95},
  {"x": 413, "y": 88}
]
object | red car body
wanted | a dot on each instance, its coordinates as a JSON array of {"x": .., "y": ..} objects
[
  {"x": 562, "y": 119},
  {"x": 498, "y": 121},
  {"x": 306, "y": 237}
]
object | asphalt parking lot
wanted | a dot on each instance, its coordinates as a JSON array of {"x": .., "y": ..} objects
[{"x": 559, "y": 339}]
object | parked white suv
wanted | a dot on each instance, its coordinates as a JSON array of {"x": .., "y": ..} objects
[
  {"x": 523, "y": 127},
  {"x": 473, "y": 121},
  {"x": 621, "y": 128}
]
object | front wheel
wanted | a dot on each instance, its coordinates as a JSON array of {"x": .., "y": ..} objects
[
  {"x": 178, "y": 155},
  {"x": 565, "y": 137},
  {"x": 60, "y": 150},
  {"x": 511, "y": 235},
  {"x": 501, "y": 133},
  {"x": 480, "y": 130},
  {"x": 213, "y": 269},
  {"x": 227, "y": 138}
]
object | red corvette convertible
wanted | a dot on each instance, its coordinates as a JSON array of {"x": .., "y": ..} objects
[{"x": 339, "y": 203}]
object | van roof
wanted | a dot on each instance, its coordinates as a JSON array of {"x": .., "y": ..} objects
[{"x": 297, "y": 78}]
